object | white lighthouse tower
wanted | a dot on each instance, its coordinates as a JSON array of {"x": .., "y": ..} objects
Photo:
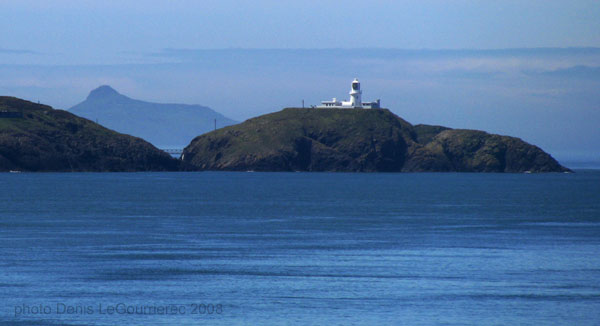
[{"x": 355, "y": 94}]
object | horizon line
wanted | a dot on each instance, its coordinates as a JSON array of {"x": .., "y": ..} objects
[{"x": 544, "y": 48}]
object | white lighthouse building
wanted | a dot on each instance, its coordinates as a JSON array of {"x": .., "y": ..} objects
[{"x": 355, "y": 100}]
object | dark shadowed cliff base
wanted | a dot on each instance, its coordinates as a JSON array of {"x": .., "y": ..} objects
[
  {"x": 355, "y": 140},
  {"x": 35, "y": 137}
]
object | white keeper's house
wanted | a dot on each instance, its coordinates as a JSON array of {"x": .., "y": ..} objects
[{"x": 354, "y": 103}]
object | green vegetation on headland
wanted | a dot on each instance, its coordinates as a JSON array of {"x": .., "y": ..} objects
[
  {"x": 35, "y": 137},
  {"x": 373, "y": 140}
]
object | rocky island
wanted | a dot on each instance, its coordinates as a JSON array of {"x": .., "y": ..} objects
[
  {"x": 359, "y": 140},
  {"x": 35, "y": 137}
]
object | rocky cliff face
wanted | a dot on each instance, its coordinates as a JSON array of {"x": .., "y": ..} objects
[
  {"x": 44, "y": 139},
  {"x": 478, "y": 151},
  {"x": 359, "y": 140}
]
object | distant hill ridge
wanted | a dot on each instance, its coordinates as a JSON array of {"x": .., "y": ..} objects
[
  {"x": 359, "y": 140},
  {"x": 162, "y": 124}
]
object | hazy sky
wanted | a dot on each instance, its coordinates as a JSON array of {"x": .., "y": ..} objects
[
  {"x": 530, "y": 69},
  {"x": 115, "y": 31}
]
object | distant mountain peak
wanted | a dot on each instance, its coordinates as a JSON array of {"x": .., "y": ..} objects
[
  {"x": 104, "y": 91},
  {"x": 170, "y": 125}
]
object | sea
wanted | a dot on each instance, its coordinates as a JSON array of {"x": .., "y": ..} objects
[{"x": 218, "y": 248}]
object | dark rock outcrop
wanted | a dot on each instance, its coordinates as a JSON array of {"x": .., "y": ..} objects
[
  {"x": 477, "y": 151},
  {"x": 44, "y": 139},
  {"x": 359, "y": 140}
]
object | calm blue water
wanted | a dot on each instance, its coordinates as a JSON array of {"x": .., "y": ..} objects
[{"x": 300, "y": 249}]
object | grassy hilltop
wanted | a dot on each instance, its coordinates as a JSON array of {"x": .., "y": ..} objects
[
  {"x": 35, "y": 137},
  {"x": 366, "y": 140}
]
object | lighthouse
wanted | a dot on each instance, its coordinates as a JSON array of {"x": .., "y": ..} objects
[
  {"x": 355, "y": 100},
  {"x": 355, "y": 94}
]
